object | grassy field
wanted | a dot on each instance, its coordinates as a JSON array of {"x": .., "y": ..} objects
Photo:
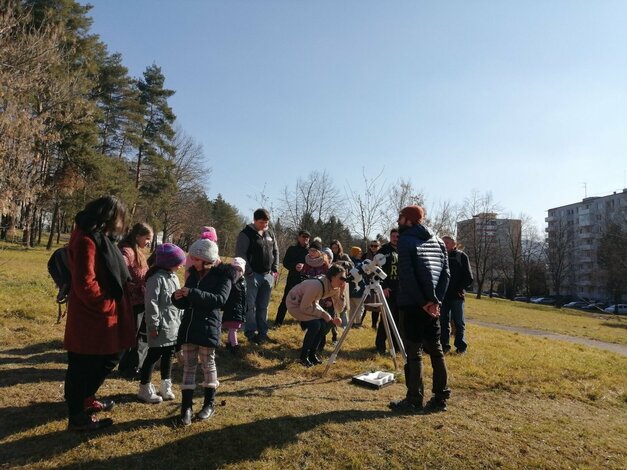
[{"x": 518, "y": 401}]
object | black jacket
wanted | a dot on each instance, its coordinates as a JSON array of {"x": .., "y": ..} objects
[
  {"x": 235, "y": 307},
  {"x": 207, "y": 295},
  {"x": 461, "y": 274},
  {"x": 423, "y": 267},
  {"x": 390, "y": 268},
  {"x": 261, "y": 252},
  {"x": 293, "y": 255}
]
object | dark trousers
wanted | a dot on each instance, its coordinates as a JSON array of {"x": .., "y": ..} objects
[
  {"x": 419, "y": 331},
  {"x": 379, "y": 341},
  {"x": 165, "y": 353},
  {"x": 282, "y": 310},
  {"x": 315, "y": 330},
  {"x": 85, "y": 374},
  {"x": 453, "y": 310}
]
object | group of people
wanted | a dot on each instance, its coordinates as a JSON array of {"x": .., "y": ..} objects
[{"x": 120, "y": 301}]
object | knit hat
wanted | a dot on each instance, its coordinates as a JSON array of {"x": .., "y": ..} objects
[
  {"x": 239, "y": 263},
  {"x": 326, "y": 250},
  {"x": 169, "y": 256},
  {"x": 315, "y": 245},
  {"x": 209, "y": 233},
  {"x": 205, "y": 250},
  {"x": 355, "y": 251},
  {"x": 413, "y": 214}
]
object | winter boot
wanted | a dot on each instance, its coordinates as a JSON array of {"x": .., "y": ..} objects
[
  {"x": 166, "y": 390},
  {"x": 186, "y": 407},
  {"x": 207, "y": 407},
  {"x": 304, "y": 360},
  {"x": 314, "y": 358},
  {"x": 148, "y": 394}
]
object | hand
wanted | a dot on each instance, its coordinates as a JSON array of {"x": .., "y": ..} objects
[
  {"x": 386, "y": 292},
  {"x": 299, "y": 267},
  {"x": 153, "y": 333},
  {"x": 336, "y": 321},
  {"x": 432, "y": 308},
  {"x": 180, "y": 293}
]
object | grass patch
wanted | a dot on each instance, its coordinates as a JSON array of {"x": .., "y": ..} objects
[
  {"x": 518, "y": 402},
  {"x": 602, "y": 327}
]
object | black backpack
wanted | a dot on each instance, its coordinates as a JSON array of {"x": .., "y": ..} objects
[{"x": 59, "y": 271}]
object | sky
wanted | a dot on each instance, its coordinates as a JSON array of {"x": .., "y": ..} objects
[{"x": 524, "y": 99}]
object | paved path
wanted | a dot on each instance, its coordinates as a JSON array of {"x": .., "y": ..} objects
[{"x": 618, "y": 348}]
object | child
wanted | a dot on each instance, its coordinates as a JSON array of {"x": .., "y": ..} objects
[
  {"x": 206, "y": 291},
  {"x": 208, "y": 233},
  {"x": 162, "y": 321},
  {"x": 235, "y": 309}
]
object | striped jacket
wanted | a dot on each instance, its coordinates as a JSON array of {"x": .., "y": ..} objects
[{"x": 422, "y": 266}]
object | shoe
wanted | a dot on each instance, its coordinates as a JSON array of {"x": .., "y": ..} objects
[
  {"x": 186, "y": 417},
  {"x": 446, "y": 349},
  {"x": 207, "y": 408},
  {"x": 405, "y": 406},
  {"x": 434, "y": 405},
  {"x": 314, "y": 359},
  {"x": 304, "y": 360},
  {"x": 86, "y": 422},
  {"x": 148, "y": 394},
  {"x": 91, "y": 405},
  {"x": 236, "y": 350},
  {"x": 460, "y": 351},
  {"x": 166, "y": 390}
]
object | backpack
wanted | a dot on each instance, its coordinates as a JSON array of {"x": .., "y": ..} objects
[{"x": 60, "y": 273}]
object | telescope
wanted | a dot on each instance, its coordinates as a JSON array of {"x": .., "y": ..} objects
[{"x": 370, "y": 270}]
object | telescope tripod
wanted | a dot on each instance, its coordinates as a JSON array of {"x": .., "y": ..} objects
[{"x": 374, "y": 286}]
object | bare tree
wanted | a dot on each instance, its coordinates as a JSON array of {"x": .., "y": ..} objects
[
  {"x": 508, "y": 253},
  {"x": 478, "y": 235},
  {"x": 559, "y": 256},
  {"x": 532, "y": 251},
  {"x": 442, "y": 218},
  {"x": 315, "y": 198},
  {"x": 399, "y": 195},
  {"x": 365, "y": 205}
]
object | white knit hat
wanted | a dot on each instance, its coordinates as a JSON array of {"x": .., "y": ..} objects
[
  {"x": 239, "y": 263},
  {"x": 205, "y": 250}
]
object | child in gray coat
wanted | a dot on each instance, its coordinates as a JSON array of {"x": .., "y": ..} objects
[{"x": 162, "y": 321}]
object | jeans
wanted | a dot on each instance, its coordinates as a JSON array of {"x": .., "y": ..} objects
[
  {"x": 85, "y": 374},
  {"x": 453, "y": 310},
  {"x": 419, "y": 332},
  {"x": 315, "y": 331},
  {"x": 259, "y": 288}
]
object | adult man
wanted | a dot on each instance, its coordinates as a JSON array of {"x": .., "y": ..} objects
[
  {"x": 257, "y": 245},
  {"x": 390, "y": 286},
  {"x": 368, "y": 307},
  {"x": 453, "y": 305},
  {"x": 423, "y": 278},
  {"x": 293, "y": 261}
]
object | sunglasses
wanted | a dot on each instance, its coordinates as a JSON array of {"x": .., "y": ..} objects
[
  {"x": 374, "y": 246},
  {"x": 342, "y": 278}
]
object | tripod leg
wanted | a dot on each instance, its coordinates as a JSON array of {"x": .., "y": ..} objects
[
  {"x": 392, "y": 325},
  {"x": 388, "y": 320},
  {"x": 353, "y": 316}
]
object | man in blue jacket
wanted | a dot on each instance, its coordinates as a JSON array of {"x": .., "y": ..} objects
[{"x": 423, "y": 279}]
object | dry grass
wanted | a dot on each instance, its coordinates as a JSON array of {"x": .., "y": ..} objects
[
  {"x": 518, "y": 402},
  {"x": 602, "y": 327}
]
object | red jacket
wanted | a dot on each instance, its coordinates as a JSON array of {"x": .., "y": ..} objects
[{"x": 96, "y": 323}]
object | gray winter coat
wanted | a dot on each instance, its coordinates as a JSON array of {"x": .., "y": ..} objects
[{"x": 161, "y": 314}]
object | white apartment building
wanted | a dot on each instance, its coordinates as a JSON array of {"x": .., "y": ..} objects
[{"x": 580, "y": 226}]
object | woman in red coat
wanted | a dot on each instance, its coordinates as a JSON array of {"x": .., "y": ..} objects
[{"x": 100, "y": 321}]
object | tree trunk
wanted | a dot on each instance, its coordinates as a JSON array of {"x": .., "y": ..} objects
[
  {"x": 33, "y": 226},
  {"x": 40, "y": 227},
  {"x": 26, "y": 223},
  {"x": 53, "y": 225}
]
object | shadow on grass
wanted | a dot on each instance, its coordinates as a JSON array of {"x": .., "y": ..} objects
[
  {"x": 36, "y": 348},
  {"x": 214, "y": 448},
  {"x": 615, "y": 325},
  {"x": 35, "y": 359},
  {"x": 30, "y": 375}
]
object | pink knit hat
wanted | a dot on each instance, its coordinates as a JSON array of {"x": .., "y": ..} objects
[{"x": 209, "y": 233}]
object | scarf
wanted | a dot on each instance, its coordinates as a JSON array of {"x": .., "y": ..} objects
[
  {"x": 114, "y": 262},
  {"x": 314, "y": 262}
]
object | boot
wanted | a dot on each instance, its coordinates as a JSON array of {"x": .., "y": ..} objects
[
  {"x": 207, "y": 407},
  {"x": 186, "y": 407},
  {"x": 166, "y": 390},
  {"x": 304, "y": 360},
  {"x": 314, "y": 358},
  {"x": 148, "y": 394}
]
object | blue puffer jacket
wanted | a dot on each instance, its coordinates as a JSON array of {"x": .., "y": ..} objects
[
  {"x": 422, "y": 266},
  {"x": 207, "y": 295}
]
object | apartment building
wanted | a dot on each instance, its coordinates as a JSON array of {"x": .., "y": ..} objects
[{"x": 579, "y": 227}]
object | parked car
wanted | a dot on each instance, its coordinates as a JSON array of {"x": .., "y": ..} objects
[
  {"x": 576, "y": 304},
  {"x": 617, "y": 308},
  {"x": 594, "y": 306},
  {"x": 544, "y": 300},
  {"x": 521, "y": 298}
]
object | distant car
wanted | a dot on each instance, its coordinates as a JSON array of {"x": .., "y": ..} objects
[
  {"x": 576, "y": 304},
  {"x": 521, "y": 298},
  {"x": 594, "y": 306},
  {"x": 617, "y": 308},
  {"x": 544, "y": 300}
]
